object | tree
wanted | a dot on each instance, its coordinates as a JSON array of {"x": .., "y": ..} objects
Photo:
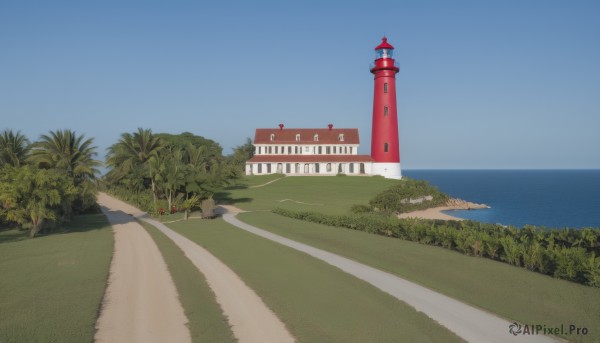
[
  {"x": 170, "y": 172},
  {"x": 241, "y": 154},
  {"x": 190, "y": 203},
  {"x": 134, "y": 150},
  {"x": 14, "y": 148},
  {"x": 66, "y": 151},
  {"x": 33, "y": 196}
]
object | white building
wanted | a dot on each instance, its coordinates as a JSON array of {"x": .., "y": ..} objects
[{"x": 326, "y": 151}]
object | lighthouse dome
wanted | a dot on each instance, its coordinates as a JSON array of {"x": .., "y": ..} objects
[{"x": 384, "y": 50}]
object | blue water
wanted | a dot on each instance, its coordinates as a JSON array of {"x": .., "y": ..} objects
[{"x": 551, "y": 198}]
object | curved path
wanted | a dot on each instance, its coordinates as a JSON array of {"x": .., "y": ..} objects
[
  {"x": 250, "y": 319},
  {"x": 468, "y": 322},
  {"x": 141, "y": 302}
]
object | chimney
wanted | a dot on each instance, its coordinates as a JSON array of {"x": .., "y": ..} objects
[
  {"x": 330, "y": 126},
  {"x": 280, "y": 126}
]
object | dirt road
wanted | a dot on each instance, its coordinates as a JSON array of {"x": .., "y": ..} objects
[
  {"x": 250, "y": 319},
  {"x": 141, "y": 303}
]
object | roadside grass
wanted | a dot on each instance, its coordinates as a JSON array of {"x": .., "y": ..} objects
[
  {"x": 257, "y": 180},
  {"x": 51, "y": 287},
  {"x": 206, "y": 321},
  {"x": 330, "y": 194},
  {"x": 511, "y": 292},
  {"x": 317, "y": 302}
]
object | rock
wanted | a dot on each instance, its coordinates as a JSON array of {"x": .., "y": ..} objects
[{"x": 460, "y": 204}]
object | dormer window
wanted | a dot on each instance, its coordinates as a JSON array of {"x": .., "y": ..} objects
[
  {"x": 341, "y": 137},
  {"x": 297, "y": 137},
  {"x": 272, "y": 136},
  {"x": 316, "y": 137}
]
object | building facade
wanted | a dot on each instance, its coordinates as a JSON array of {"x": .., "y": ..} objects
[{"x": 326, "y": 151}]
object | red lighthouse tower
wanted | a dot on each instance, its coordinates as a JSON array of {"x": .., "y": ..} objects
[{"x": 385, "y": 148}]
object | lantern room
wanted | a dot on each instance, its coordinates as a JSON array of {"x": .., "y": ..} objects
[{"x": 384, "y": 50}]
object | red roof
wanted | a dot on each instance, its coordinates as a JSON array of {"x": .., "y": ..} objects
[
  {"x": 384, "y": 44},
  {"x": 309, "y": 158},
  {"x": 288, "y": 136}
]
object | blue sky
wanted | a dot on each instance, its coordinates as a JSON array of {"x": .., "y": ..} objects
[{"x": 483, "y": 84}]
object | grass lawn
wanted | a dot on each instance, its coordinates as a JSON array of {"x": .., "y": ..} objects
[
  {"x": 51, "y": 287},
  {"x": 330, "y": 194},
  {"x": 317, "y": 302},
  {"x": 508, "y": 291},
  {"x": 206, "y": 320}
]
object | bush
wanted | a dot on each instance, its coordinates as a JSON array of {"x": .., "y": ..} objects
[
  {"x": 397, "y": 199},
  {"x": 566, "y": 254}
]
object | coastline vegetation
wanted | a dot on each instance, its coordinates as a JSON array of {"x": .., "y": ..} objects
[
  {"x": 568, "y": 254},
  {"x": 406, "y": 196}
]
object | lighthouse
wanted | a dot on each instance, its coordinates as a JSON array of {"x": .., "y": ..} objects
[{"x": 385, "y": 148}]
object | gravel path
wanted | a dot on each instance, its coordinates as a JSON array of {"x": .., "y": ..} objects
[
  {"x": 141, "y": 302},
  {"x": 470, "y": 323},
  {"x": 250, "y": 319}
]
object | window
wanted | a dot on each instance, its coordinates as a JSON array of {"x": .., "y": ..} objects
[
  {"x": 351, "y": 149},
  {"x": 296, "y": 150},
  {"x": 288, "y": 168},
  {"x": 316, "y": 168},
  {"x": 289, "y": 151},
  {"x": 351, "y": 168},
  {"x": 316, "y": 137},
  {"x": 297, "y": 137},
  {"x": 385, "y": 110},
  {"x": 276, "y": 149},
  {"x": 385, "y": 147},
  {"x": 272, "y": 136},
  {"x": 334, "y": 150},
  {"x": 328, "y": 150},
  {"x": 269, "y": 150},
  {"x": 260, "y": 168},
  {"x": 268, "y": 168},
  {"x": 341, "y": 137},
  {"x": 259, "y": 150},
  {"x": 385, "y": 88},
  {"x": 320, "y": 150},
  {"x": 306, "y": 149},
  {"x": 328, "y": 167}
]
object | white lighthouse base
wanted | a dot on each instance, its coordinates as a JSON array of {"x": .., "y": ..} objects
[{"x": 387, "y": 170}]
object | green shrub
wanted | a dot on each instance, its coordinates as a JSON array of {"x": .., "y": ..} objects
[
  {"x": 397, "y": 199},
  {"x": 566, "y": 254}
]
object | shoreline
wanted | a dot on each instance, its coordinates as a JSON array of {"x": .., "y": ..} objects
[
  {"x": 436, "y": 212},
  {"x": 431, "y": 213}
]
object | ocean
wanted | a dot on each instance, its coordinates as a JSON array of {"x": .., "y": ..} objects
[{"x": 550, "y": 198}]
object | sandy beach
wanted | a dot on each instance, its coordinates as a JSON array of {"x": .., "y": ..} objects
[
  {"x": 436, "y": 212},
  {"x": 431, "y": 213}
]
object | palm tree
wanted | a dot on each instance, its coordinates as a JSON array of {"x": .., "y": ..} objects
[
  {"x": 73, "y": 154},
  {"x": 66, "y": 151},
  {"x": 134, "y": 150},
  {"x": 14, "y": 148}
]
